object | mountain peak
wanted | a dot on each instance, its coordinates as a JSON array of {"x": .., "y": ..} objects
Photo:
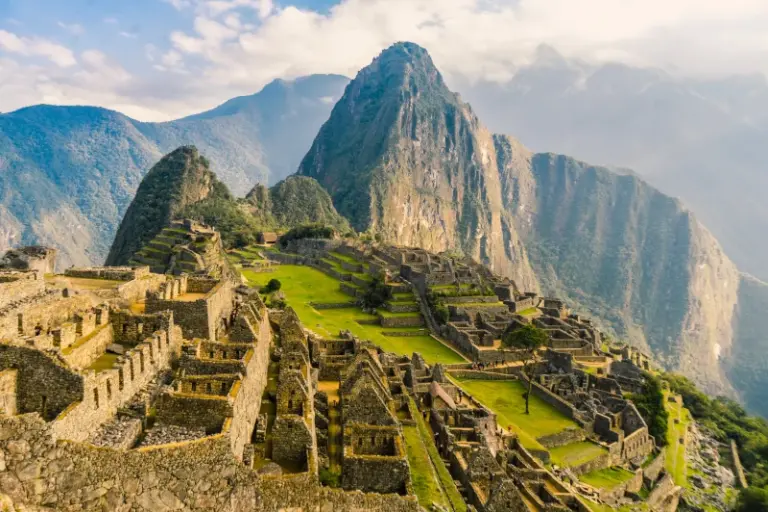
[{"x": 181, "y": 178}]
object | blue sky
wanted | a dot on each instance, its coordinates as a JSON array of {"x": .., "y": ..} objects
[{"x": 161, "y": 59}]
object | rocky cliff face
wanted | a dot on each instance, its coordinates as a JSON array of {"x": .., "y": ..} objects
[
  {"x": 182, "y": 178},
  {"x": 747, "y": 362},
  {"x": 627, "y": 253},
  {"x": 402, "y": 156}
]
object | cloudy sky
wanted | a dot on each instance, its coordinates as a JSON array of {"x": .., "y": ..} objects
[{"x": 162, "y": 59}]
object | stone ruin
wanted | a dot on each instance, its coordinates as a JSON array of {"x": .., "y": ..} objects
[{"x": 122, "y": 389}]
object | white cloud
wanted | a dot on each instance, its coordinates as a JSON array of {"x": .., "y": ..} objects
[
  {"x": 234, "y": 47},
  {"x": 37, "y": 47},
  {"x": 179, "y": 4},
  {"x": 474, "y": 38},
  {"x": 73, "y": 28},
  {"x": 128, "y": 35}
]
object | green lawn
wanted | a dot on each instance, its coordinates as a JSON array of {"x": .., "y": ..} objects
[
  {"x": 505, "y": 398},
  {"x": 303, "y": 285},
  {"x": 348, "y": 259},
  {"x": 425, "y": 483},
  {"x": 576, "y": 454},
  {"x": 606, "y": 478},
  {"x": 675, "y": 449},
  {"x": 388, "y": 314}
]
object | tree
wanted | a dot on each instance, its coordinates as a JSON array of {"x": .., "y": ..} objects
[
  {"x": 527, "y": 339},
  {"x": 650, "y": 405},
  {"x": 272, "y": 286},
  {"x": 377, "y": 294},
  {"x": 753, "y": 499}
]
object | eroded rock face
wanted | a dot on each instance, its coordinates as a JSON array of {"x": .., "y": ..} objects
[{"x": 403, "y": 157}]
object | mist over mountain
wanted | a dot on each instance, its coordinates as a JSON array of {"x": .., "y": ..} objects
[
  {"x": 697, "y": 139},
  {"x": 67, "y": 174}
]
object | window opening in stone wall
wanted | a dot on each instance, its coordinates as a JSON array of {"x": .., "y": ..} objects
[
  {"x": 120, "y": 378},
  {"x": 125, "y": 328},
  {"x": 210, "y": 354},
  {"x": 96, "y": 397},
  {"x": 109, "y": 390},
  {"x": 132, "y": 373},
  {"x": 43, "y": 405},
  {"x": 141, "y": 362},
  {"x": 21, "y": 323},
  {"x": 194, "y": 387},
  {"x": 209, "y": 388}
]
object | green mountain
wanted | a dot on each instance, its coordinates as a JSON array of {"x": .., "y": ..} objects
[
  {"x": 68, "y": 174},
  {"x": 180, "y": 179},
  {"x": 404, "y": 157},
  {"x": 182, "y": 186},
  {"x": 295, "y": 201}
]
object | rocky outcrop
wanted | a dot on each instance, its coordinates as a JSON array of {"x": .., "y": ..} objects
[
  {"x": 180, "y": 179},
  {"x": 403, "y": 157}
]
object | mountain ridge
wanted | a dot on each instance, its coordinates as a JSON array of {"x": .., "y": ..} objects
[{"x": 67, "y": 174}]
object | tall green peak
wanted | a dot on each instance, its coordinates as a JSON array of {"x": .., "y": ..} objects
[
  {"x": 178, "y": 180},
  {"x": 301, "y": 200}
]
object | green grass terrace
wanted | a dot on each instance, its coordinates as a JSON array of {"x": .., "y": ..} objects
[
  {"x": 607, "y": 478},
  {"x": 305, "y": 285},
  {"x": 506, "y": 399},
  {"x": 677, "y": 426}
]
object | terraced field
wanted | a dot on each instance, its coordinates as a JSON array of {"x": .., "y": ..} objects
[{"x": 304, "y": 285}]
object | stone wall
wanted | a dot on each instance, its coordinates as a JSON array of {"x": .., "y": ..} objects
[
  {"x": 199, "y": 318},
  {"x": 23, "y": 286},
  {"x": 612, "y": 495},
  {"x": 247, "y": 401},
  {"x": 401, "y": 321},
  {"x": 82, "y": 354},
  {"x": 295, "y": 437},
  {"x": 106, "y": 391},
  {"x": 138, "y": 288},
  {"x": 483, "y": 375},
  {"x": 45, "y": 385},
  {"x": 652, "y": 471},
  {"x": 43, "y": 315},
  {"x": 195, "y": 411},
  {"x": 8, "y": 391},
  {"x": 132, "y": 329},
  {"x": 109, "y": 273},
  {"x": 376, "y": 474},
  {"x": 567, "y": 436}
]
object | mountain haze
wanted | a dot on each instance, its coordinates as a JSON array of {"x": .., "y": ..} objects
[
  {"x": 67, "y": 174},
  {"x": 700, "y": 139},
  {"x": 404, "y": 157}
]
